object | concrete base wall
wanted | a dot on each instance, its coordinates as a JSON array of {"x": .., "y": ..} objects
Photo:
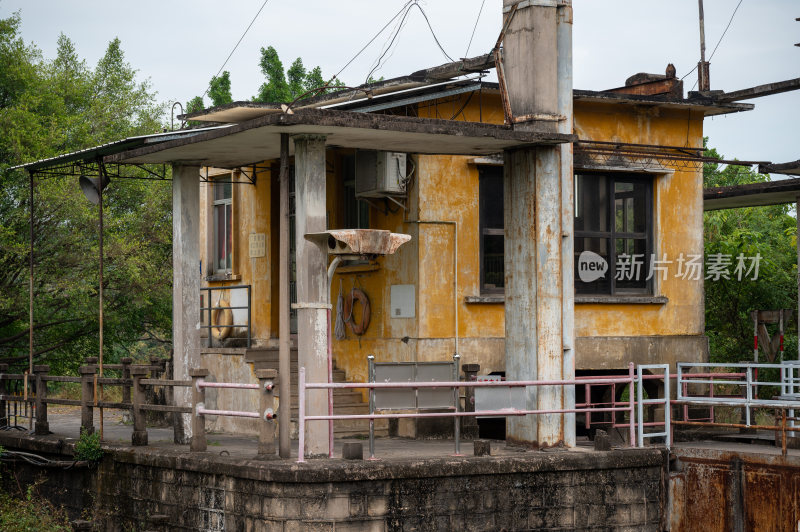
[{"x": 615, "y": 490}]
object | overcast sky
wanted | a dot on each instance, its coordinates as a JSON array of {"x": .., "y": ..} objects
[{"x": 180, "y": 44}]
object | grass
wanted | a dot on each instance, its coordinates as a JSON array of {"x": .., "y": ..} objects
[{"x": 29, "y": 512}]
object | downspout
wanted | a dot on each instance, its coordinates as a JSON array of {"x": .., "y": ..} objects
[{"x": 455, "y": 269}]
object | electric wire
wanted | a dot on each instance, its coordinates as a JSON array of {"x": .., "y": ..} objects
[
  {"x": 238, "y": 43},
  {"x": 726, "y": 29},
  {"x": 388, "y": 45},
  {"x": 373, "y": 38},
  {"x": 433, "y": 33},
  {"x": 475, "y": 27}
]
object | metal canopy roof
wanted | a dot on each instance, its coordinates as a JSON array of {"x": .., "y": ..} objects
[
  {"x": 259, "y": 139},
  {"x": 751, "y": 195}
]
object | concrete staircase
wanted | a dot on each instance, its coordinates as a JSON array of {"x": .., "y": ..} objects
[{"x": 344, "y": 401}]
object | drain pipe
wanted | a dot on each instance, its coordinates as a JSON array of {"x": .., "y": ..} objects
[
  {"x": 455, "y": 268},
  {"x": 331, "y": 270}
]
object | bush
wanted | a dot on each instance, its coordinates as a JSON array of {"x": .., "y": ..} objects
[
  {"x": 30, "y": 513},
  {"x": 88, "y": 447}
]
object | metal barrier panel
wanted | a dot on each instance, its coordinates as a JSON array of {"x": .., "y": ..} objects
[
  {"x": 641, "y": 401},
  {"x": 498, "y": 398},
  {"x": 410, "y": 399},
  {"x": 397, "y": 399}
]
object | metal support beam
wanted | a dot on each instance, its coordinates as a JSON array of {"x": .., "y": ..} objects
[
  {"x": 310, "y": 217},
  {"x": 186, "y": 285},
  {"x": 284, "y": 354}
]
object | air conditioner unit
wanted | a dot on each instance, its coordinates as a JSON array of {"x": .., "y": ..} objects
[{"x": 379, "y": 173}]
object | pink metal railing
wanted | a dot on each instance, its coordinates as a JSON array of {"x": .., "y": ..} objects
[{"x": 303, "y": 386}]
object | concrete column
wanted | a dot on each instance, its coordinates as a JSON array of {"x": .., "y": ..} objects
[
  {"x": 186, "y": 284},
  {"x": 538, "y": 220},
  {"x": 312, "y": 264}
]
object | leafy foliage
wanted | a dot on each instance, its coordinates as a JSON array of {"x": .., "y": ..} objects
[
  {"x": 51, "y": 107},
  {"x": 88, "y": 447},
  {"x": 296, "y": 82},
  {"x": 219, "y": 89},
  {"x": 766, "y": 231},
  {"x": 31, "y": 513}
]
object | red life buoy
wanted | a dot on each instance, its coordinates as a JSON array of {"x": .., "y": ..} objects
[{"x": 357, "y": 295}]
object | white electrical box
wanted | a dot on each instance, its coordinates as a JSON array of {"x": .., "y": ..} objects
[
  {"x": 379, "y": 173},
  {"x": 402, "y": 301}
]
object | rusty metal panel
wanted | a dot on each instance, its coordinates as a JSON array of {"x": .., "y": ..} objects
[
  {"x": 763, "y": 509},
  {"x": 705, "y": 497}
]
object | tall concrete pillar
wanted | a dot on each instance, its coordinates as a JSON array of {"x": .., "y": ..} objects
[
  {"x": 312, "y": 267},
  {"x": 185, "y": 284},
  {"x": 538, "y": 219}
]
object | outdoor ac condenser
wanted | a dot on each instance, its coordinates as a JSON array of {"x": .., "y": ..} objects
[{"x": 379, "y": 173}]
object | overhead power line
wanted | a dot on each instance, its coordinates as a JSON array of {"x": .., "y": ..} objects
[
  {"x": 238, "y": 42},
  {"x": 466, "y": 54},
  {"x": 726, "y": 29}
]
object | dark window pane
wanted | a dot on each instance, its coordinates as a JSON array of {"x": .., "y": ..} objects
[
  {"x": 632, "y": 264},
  {"x": 491, "y": 197},
  {"x": 591, "y": 258},
  {"x": 630, "y": 206},
  {"x": 493, "y": 273},
  {"x": 591, "y": 203}
]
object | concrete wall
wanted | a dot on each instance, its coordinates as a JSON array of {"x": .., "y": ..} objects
[{"x": 615, "y": 490}]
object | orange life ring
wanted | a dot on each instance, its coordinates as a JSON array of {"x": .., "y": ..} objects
[
  {"x": 221, "y": 316},
  {"x": 357, "y": 295}
]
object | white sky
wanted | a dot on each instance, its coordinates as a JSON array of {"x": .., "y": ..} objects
[{"x": 180, "y": 44}]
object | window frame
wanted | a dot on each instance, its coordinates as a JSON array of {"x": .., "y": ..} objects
[
  {"x": 221, "y": 181},
  {"x": 488, "y": 173},
  {"x": 612, "y": 235}
]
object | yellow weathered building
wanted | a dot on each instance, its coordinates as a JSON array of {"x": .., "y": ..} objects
[{"x": 647, "y": 205}]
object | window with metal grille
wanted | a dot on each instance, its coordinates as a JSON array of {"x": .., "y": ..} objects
[
  {"x": 613, "y": 220},
  {"x": 223, "y": 222}
]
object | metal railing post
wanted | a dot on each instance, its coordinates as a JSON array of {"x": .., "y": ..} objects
[
  {"x": 371, "y": 378},
  {"x": 640, "y": 397},
  {"x": 266, "y": 431},
  {"x": 667, "y": 409},
  {"x": 42, "y": 426},
  {"x": 198, "y": 441},
  {"x": 87, "y": 397},
  {"x": 139, "y": 435},
  {"x": 301, "y": 413},
  {"x": 456, "y": 405},
  {"x": 748, "y": 395}
]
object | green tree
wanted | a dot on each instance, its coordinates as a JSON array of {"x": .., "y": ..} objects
[
  {"x": 275, "y": 89},
  {"x": 301, "y": 82},
  {"x": 50, "y": 107},
  {"x": 219, "y": 89},
  {"x": 766, "y": 232}
]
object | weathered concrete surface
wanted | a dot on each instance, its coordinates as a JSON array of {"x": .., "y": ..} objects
[
  {"x": 566, "y": 490},
  {"x": 186, "y": 280},
  {"x": 740, "y": 488}
]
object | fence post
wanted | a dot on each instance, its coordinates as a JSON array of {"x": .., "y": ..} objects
[
  {"x": 42, "y": 427},
  {"x": 139, "y": 436},
  {"x": 266, "y": 431},
  {"x": 126, "y": 374},
  {"x": 87, "y": 397},
  {"x": 457, "y": 405},
  {"x": 198, "y": 441},
  {"x": 469, "y": 424},
  {"x": 3, "y": 416}
]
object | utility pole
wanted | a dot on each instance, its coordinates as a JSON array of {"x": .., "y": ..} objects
[
  {"x": 703, "y": 80},
  {"x": 538, "y": 181}
]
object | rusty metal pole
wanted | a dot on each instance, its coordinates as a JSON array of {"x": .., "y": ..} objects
[
  {"x": 564, "y": 44},
  {"x": 30, "y": 293},
  {"x": 311, "y": 261},
  {"x": 703, "y": 81},
  {"x": 100, "y": 292},
  {"x": 284, "y": 353}
]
